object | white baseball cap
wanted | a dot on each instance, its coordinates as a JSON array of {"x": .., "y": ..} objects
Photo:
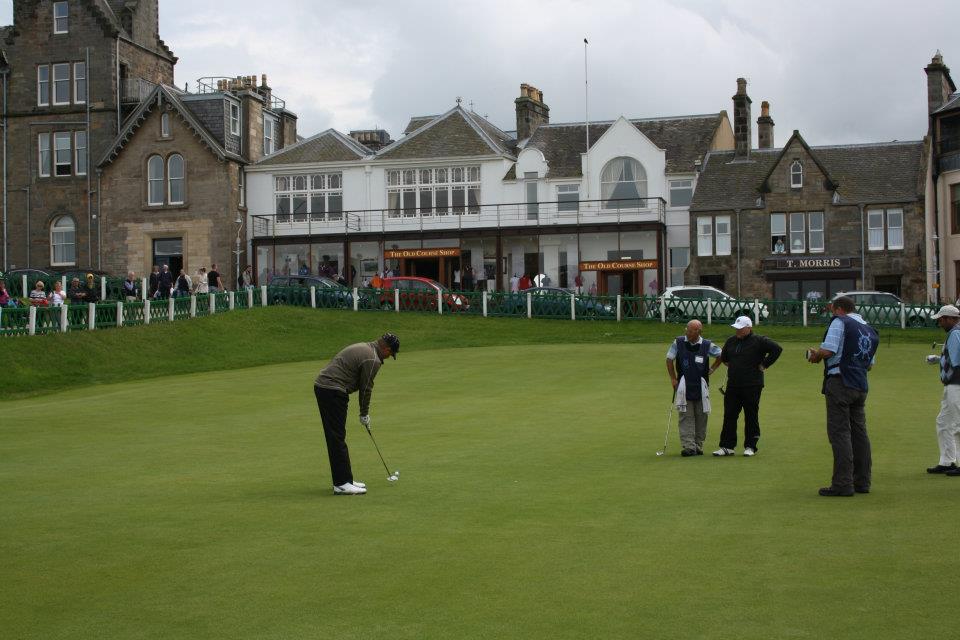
[
  {"x": 947, "y": 311},
  {"x": 742, "y": 323}
]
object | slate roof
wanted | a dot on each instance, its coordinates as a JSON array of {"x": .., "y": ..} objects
[
  {"x": 455, "y": 133},
  {"x": 684, "y": 138},
  {"x": 327, "y": 146},
  {"x": 864, "y": 173},
  {"x": 418, "y": 121},
  {"x": 953, "y": 102}
]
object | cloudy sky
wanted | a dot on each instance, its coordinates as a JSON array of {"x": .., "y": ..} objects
[{"x": 839, "y": 71}]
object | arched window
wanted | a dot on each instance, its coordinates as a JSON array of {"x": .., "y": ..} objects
[
  {"x": 155, "y": 180},
  {"x": 175, "y": 180},
  {"x": 164, "y": 125},
  {"x": 796, "y": 175},
  {"x": 623, "y": 182},
  {"x": 63, "y": 241}
]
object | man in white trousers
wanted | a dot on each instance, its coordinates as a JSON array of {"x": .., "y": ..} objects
[
  {"x": 688, "y": 362},
  {"x": 948, "y": 421}
]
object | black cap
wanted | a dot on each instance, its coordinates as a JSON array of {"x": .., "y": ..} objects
[{"x": 393, "y": 342}]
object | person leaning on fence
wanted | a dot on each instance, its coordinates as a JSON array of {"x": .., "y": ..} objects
[
  {"x": 131, "y": 288},
  {"x": 948, "y": 420},
  {"x": 746, "y": 356},
  {"x": 353, "y": 369},
  {"x": 848, "y": 351},
  {"x": 76, "y": 292},
  {"x": 201, "y": 285},
  {"x": 91, "y": 290},
  {"x": 165, "y": 285},
  {"x": 183, "y": 285},
  {"x": 57, "y": 297},
  {"x": 214, "y": 283},
  {"x": 5, "y": 299},
  {"x": 38, "y": 297},
  {"x": 688, "y": 364}
]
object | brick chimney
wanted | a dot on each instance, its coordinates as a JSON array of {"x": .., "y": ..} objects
[
  {"x": 765, "y": 127},
  {"x": 742, "y": 126},
  {"x": 939, "y": 83},
  {"x": 531, "y": 111},
  {"x": 373, "y": 139}
]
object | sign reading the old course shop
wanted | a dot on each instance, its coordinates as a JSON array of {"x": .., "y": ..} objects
[
  {"x": 618, "y": 265},
  {"x": 451, "y": 252},
  {"x": 809, "y": 263}
]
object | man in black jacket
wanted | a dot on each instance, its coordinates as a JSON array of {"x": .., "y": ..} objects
[{"x": 746, "y": 356}]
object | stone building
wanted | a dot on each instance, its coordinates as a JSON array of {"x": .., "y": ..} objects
[
  {"x": 72, "y": 71},
  {"x": 802, "y": 222}
]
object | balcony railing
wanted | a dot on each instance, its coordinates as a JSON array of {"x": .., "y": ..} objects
[
  {"x": 490, "y": 216},
  {"x": 218, "y": 84},
  {"x": 135, "y": 89}
]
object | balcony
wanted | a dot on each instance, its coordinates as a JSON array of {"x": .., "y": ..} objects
[
  {"x": 536, "y": 215},
  {"x": 135, "y": 90},
  {"x": 221, "y": 84}
]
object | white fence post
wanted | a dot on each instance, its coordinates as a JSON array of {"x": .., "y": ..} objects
[
  {"x": 119, "y": 314},
  {"x": 396, "y": 300},
  {"x": 143, "y": 288},
  {"x": 170, "y": 309},
  {"x": 619, "y": 307},
  {"x": 232, "y": 301},
  {"x": 710, "y": 311},
  {"x": 804, "y": 313},
  {"x": 756, "y": 311},
  {"x": 263, "y": 295},
  {"x": 249, "y": 298},
  {"x": 32, "y": 324},
  {"x": 212, "y": 299},
  {"x": 529, "y": 305},
  {"x": 573, "y": 307},
  {"x": 146, "y": 311},
  {"x": 63, "y": 319},
  {"x": 484, "y": 303},
  {"x": 663, "y": 310},
  {"x": 24, "y": 291},
  {"x": 193, "y": 306},
  {"x": 313, "y": 297},
  {"x": 103, "y": 288},
  {"x": 91, "y": 316},
  {"x": 903, "y": 316},
  {"x": 439, "y": 303},
  {"x": 356, "y": 299},
  {"x": 63, "y": 282}
]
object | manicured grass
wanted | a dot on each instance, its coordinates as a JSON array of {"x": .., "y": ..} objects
[{"x": 530, "y": 503}]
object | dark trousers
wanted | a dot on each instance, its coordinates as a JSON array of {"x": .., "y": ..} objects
[
  {"x": 333, "y": 413},
  {"x": 847, "y": 431},
  {"x": 746, "y": 399}
]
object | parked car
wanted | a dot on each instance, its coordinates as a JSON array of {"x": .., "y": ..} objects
[
  {"x": 554, "y": 301},
  {"x": 691, "y": 302},
  {"x": 330, "y": 293},
  {"x": 420, "y": 294},
  {"x": 884, "y": 308}
]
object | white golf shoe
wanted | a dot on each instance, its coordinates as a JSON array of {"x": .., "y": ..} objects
[
  {"x": 349, "y": 489},
  {"x": 362, "y": 485},
  {"x": 723, "y": 451},
  {"x": 749, "y": 451}
]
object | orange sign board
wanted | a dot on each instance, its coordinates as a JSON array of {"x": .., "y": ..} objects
[
  {"x": 451, "y": 252},
  {"x": 618, "y": 265}
]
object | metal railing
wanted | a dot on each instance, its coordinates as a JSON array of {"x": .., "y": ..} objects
[
  {"x": 219, "y": 84},
  {"x": 135, "y": 89},
  {"x": 487, "y": 216}
]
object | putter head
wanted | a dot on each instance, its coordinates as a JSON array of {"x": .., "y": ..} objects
[
  {"x": 660, "y": 453},
  {"x": 392, "y": 478}
]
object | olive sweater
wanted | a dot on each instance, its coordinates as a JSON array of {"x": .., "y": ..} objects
[{"x": 353, "y": 369}]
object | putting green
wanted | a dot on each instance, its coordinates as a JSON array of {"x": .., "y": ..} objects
[{"x": 530, "y": 505}]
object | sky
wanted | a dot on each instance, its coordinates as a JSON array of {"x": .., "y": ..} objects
[{"x": 840, "y": 71}]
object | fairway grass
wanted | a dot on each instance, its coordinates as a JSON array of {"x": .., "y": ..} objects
[{"x": 530, "y": 505}]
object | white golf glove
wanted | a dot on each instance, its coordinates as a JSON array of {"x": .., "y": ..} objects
[{"x": 365, "y": 421}]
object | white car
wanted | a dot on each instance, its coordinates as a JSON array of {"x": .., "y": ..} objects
[{"x": 693, "y": 301}]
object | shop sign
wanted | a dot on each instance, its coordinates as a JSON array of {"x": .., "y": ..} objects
[
  {"x": 809, "y": 263},
  {"x": 618, "y": 265},
  {"x": 450, "y": 252}
]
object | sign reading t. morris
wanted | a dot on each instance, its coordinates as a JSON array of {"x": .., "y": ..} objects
[
  {"x": 618, "y": 265},
  {"x": 798, "y": 264},
  {"x": 451, "y": 252}
]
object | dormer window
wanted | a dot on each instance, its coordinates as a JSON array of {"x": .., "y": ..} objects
[
  {"x": 796, "y": 175},
  {"x": 60, "y": 17}
]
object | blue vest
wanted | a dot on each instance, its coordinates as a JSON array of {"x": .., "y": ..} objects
[
  {"x": 860, "y": 344},
  {"x": 948, "y": 375},
  {"x": 691, "y": 370}
]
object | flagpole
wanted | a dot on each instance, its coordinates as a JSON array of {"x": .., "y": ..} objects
[{"x": 586, "y": 109}]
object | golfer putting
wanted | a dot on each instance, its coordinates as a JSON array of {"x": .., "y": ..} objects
[{"x": 353, "y": 369}]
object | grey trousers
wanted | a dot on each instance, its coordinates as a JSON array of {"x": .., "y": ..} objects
[
  {"x": 693, "y": 426},
  {"x": 847, "y": 431}
]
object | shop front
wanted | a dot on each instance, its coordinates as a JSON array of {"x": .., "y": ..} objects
[
  {"x": 438, "y": 263},
  {"x": 811, "y": 279},
  {"x": 622, "y": 277}
]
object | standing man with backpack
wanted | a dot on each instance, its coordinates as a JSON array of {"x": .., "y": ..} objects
[{"x": 847, "y": 352}]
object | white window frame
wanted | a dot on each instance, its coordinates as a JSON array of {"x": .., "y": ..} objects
[
  {"x": 796, "y": 175},
  {"x": 609, "y": 186},
  {"x": 58, "y": 162},
  {"x": 811, "y": 232},
  {"x": 164, "y": 125},
  {"x": 153, "y": 181},
  {"x": 79, "y": 76},
  {"x": 61, "y": 234},
  {"x": 80, "y": 153},
  {"x": 722, "y": 242},
  {"x": 875, "y": 216},
  {"x": 241, "y": 186},
  {"x": 795, "y": 233},
  {"x": 43, "y": 84},
  {"x": 705, "y": 236},
  {"x": 890, "y": 227},
  {"x": 234, "y": 116},
  {"x": 61, "y": 17},
  {"x": 269, "y": 134},
  {"x": 323, "y": 189},
  {"x": 44, "y": 154},
  {"x": 684, "y": 184},
  {"x": 457, "y": 186},
  {"x": 65, "y": 82},
  {"x": 565, "y": 204},
  {"x": 171, "y": 179},
  {"x": 782, "y": 217}
]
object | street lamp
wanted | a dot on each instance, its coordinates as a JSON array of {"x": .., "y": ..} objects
[{"x": 239, "y": 223}]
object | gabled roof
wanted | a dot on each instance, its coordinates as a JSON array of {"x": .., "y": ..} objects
[
  {"x": 831, "y": 184},
  {"x": 416, "y": 122},
  {"x": 953, "y": 102},
  {"x": 455, "y": 133},
  {"x": 327, "y": 146},
  {"x": 163, "y": 94},
  {"x": 685, "y": 139},
  {"x": 866, "y": 173}
]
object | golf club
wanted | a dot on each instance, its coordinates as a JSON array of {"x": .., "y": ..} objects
[
  {"x": 666, "y": 435},
  {"x": 391, "y": 477}
]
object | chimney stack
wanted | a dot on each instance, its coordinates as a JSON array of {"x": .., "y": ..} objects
[
  {"x": 765, "y": 127},
  {"x": 742, "y": 126},
  {"x": 939, "y": 83},
  {"x": 531, "y": 111}
]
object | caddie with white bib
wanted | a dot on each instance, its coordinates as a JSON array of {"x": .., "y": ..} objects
[{"x": 688, "y": 364}]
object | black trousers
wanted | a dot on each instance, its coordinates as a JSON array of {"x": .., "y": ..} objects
[
  {"x": 737, "y": 399},
  {"x": 333, "y": 413},
  {"x": 847, "y": 432}
]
